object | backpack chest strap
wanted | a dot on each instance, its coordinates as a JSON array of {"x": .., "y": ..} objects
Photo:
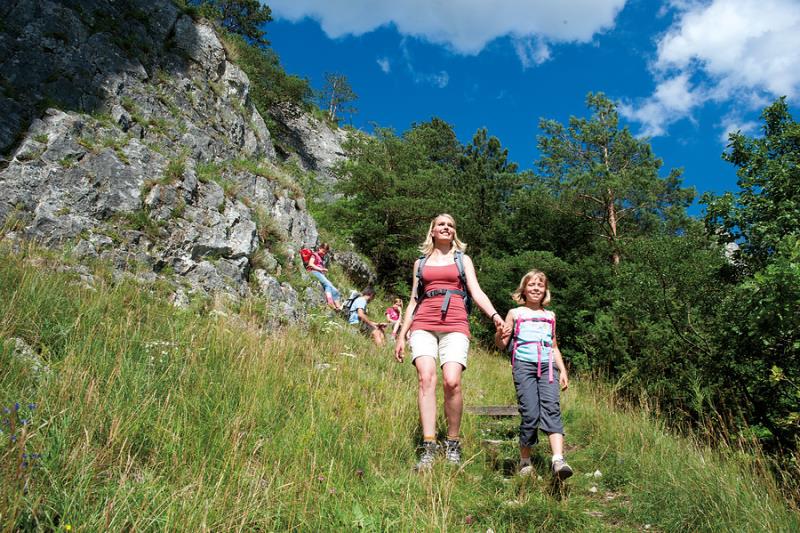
[{"x": 447, "y": 293}]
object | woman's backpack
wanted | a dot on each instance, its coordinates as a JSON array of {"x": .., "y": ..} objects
[{"x": 421, "y": 293}]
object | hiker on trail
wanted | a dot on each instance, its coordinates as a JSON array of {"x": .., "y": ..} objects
[
  {"x": 358, "y": 316},
  {"x": 538, "y": 371},
  {"x": 316, "y": 266},
  {"x": 436, "y": 317},
  {"x": 393, "y": 314}
]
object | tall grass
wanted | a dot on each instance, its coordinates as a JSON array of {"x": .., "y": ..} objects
[{"x": 154, "y": 418}]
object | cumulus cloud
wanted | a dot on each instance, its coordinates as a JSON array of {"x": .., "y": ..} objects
[
  {"x": 465, "y": 26},
  {"x": 741, "y": 52},
  {"x": 384, "y": 64}
]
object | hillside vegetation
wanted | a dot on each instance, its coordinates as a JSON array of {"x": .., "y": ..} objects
[{"x": 134, "y": 415}]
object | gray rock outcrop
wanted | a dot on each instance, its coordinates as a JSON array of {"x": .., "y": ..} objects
[{"x": 127, "y": 134}]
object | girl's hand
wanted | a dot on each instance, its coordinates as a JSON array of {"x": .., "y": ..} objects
[
  {"x": 399, "y": 348},
  {"x": 563, "y": 380}
]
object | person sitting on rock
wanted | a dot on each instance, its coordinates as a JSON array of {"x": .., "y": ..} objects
[
  {"x": 358, "y": 316},
  {"x": 316, "y": 266}
]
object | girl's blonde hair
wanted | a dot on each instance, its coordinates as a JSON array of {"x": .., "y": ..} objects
[
  {"x": 519, "y": 294},
  {"x": 426, "y": 248}
]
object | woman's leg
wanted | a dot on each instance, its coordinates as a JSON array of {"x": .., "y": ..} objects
[
  {"x": 426, "y": 373},
  {"x": 453, "y": 398}
]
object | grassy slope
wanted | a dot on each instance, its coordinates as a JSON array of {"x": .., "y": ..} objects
[{"x": 152, "y": 418}]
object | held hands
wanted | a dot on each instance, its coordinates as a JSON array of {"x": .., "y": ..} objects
[{"x": 500, "y": 325}]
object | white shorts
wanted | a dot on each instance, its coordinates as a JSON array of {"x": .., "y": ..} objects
[{"x": 448, "y": 346}]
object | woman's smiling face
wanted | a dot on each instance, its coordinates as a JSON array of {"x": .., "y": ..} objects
[{"x": 444, "y": 228}]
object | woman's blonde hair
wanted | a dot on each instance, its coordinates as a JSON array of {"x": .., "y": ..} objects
[
  {"x": 426, "y": 248},
  {"x": 519, "y": 294}
]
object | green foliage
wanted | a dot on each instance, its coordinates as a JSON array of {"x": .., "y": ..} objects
[
  {"x": 337, "y": 96},
  {"x": 307, "y": 429},
  {"x": 610, "y": 177},
  {"x": 768, "y": 206},
  {"x": 269, "y": 82},
  {"x": 242, "y": 17}
]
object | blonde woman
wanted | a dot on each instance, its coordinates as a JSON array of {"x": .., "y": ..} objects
[{"x": 436, "y": 325}]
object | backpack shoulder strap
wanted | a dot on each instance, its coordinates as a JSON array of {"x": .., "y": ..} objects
[
  {"x": 458, "y": 256},
  {"x": 420, "y": 284}
]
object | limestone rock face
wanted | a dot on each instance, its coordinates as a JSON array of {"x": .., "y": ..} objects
[
  {"x": 127, "y": 135},
  {"x": 319, "y": 147}
]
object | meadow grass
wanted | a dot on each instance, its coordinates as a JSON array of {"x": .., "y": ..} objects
[{"x": 152, "y": 418}]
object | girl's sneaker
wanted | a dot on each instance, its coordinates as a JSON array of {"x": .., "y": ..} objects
[
  {"x": 561, "y": 470},
  {"x": 452, "y": 451},
  {"x": 427, "y": 456}
]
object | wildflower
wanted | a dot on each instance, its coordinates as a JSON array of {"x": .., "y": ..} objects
[
  {"x": 468, "y": 520},
  {"x": 16, "y": 407},
  {"x": 6, "y": 410},
  {"x": 67, "y": 527},
  {"x": 31, "y": 406},
  {"x": 321, "y": 478}
]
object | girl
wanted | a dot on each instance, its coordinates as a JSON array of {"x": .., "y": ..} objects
[
  {"x": 393, "y": 315},
  {"x": 531, "y": 329},
  {"x": 436, "y": 318}
]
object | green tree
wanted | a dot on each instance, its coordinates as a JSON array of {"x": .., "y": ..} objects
[
  {"x": 768, "y": 207},
  {"x": 390, "y": 189},
  {"x": 608, "y": 176},
  {"x": 337, "y": 96},
  {"x": 242, "y": 17},
  {"x": 485, "y": 182}
]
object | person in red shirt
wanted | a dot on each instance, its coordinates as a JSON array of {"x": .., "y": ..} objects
[
  {"x": 436, "y": 325},
  {"x": 393, "y": 315}
]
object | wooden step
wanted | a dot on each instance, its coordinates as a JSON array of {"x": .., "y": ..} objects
[{"x": 493, "y": 410}]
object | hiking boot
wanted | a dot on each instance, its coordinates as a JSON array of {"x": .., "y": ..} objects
[
  {"x": 427, "y": 456},
  {"x": 525, "y": 469},
  {"x": 561, "y": 470},
  {"x": 452, "y": 451}
]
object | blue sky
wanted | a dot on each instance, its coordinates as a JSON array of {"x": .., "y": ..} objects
[{"x": 684, "y": 72}]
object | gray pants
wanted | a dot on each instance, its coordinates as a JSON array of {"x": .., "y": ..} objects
[{"x": 539, "y": 406}]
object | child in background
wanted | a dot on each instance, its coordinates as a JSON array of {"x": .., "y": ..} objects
[
  {"x": 393, "y": 315},
  {"x": 531, "y": 330}
]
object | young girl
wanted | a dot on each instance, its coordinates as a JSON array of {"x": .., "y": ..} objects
[
  {"x": 531, "y": 329},
  {"x": 393, "y": 315},
  {"x": 436, "y": 316}
]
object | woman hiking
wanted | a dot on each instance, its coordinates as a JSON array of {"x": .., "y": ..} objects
[{"x": 436, "y": 318}]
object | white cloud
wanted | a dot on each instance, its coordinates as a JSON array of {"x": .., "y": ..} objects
[
  {"x": 531, "y": 51},
  {"x": 385, "y": 65},
  {"x": 438, "y": 79},
  {"x": 738, "y": 52},
  {"x": 465, "y": 26},
  {"x": 732, "y": 124}
]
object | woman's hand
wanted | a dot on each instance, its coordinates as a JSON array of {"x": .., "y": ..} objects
[{"x": 399, "y": 348}]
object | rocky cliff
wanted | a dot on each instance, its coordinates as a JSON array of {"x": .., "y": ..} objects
[{"x": 127, "y": 134}]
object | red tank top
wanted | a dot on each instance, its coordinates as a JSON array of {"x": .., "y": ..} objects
[{"x": 428, "y": 315}]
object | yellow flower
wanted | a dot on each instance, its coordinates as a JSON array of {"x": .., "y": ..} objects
[{"x": 68, "y": 527}]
